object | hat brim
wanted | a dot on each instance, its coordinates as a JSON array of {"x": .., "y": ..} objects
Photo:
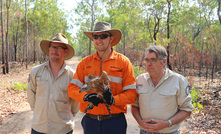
[
  {"x": 116, "y": 33},
  {"x": 45, "y": 48}
]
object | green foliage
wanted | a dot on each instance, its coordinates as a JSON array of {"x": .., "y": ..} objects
[
  {"x": 162, "y": 42},
  {"x": 195, "y": 98},
  {"x": 36, "y": 63},
  {"x": 193, "y": 24},
  {"x": 19, "y": 86},
  {"x": 137, "y": 71}
]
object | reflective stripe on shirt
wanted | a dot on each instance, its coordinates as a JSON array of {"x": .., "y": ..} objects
[{"x": 76, "y": 82}]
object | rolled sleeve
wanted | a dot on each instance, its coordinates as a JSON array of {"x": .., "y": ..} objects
[
  {"x": 184, "y": 98},
  {"x": 31, "y": 90}
]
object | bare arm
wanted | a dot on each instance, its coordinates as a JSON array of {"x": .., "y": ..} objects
[
  {"x": 180, "y": 116},
  {"x": 161, "y": 124}
]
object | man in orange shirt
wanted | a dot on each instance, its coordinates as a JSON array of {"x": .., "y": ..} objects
[{"x": 122, "y": 83}]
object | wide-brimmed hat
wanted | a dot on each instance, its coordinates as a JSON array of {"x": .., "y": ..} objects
[
  {"x": 60, "y": 38},
  {"x": 105, "y": 27}
]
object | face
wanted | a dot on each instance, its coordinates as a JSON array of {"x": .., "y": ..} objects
[
  {"x": 57, "y": 51},
  {"x": 102, "y": 44},
  {"x": 154, "y": 65}
]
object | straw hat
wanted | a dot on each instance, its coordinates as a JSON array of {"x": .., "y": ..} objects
[
  {"x": 105, "y": 27},
  {"x": 60, "y": 38}
]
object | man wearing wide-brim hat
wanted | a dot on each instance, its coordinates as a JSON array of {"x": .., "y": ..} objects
[
  {"x": 53, "y": 110},
  {"x": 122, "y": 89}
]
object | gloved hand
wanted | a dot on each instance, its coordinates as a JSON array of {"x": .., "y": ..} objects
[
  {"x": 108, "y": 97},
  {"x": 92, "y": 97}
]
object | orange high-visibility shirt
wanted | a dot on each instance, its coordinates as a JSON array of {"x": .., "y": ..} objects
[{"x": 122, "y": 82}]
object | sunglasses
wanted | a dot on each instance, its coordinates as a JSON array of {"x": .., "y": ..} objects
[{"x": 102, "y": 36}]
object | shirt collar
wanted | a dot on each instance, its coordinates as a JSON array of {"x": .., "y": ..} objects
[
  {"x": 112, "y": 55},
  {"x": 63, "y": 68},
  {"x": 167, "y": 74}
]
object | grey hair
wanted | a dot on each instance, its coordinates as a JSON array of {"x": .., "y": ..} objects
[{"x": 158, "y": 50}]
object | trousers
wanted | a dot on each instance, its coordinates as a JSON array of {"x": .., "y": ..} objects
[
  {"x": 117, "y": 125},
  {"x": 36, "y": 132}
]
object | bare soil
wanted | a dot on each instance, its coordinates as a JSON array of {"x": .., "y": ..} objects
[{"x": 16, "y": 116}]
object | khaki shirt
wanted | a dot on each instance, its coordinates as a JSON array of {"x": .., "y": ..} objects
[
  {"x": 53, "y": 110},
  {"x": 162, "y": 102}
]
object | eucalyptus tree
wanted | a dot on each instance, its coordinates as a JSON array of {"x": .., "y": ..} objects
[
  {"x": 218, "y": 10},
  {"x": 88, "y": 12},
  {"x": 168, "y": 33},
  {"x": 8, "y": 3},
  {"x": 15, "y": 28},
  {"x": 126, "y": 16},
  {"x": 26, "y": 33},
  {"x": 3, "y": 40},
  {"x": 209, "y": 9},
  {"x": 45, "y": 19}
]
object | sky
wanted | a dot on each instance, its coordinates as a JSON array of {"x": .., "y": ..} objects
[{"x": 67, "y": 5}]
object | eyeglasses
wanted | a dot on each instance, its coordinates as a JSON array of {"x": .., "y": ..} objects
[
  {"x": 152, "y": 60},
  {"x": 58, "y": 48},
  {"x": 102, "y": 36}
]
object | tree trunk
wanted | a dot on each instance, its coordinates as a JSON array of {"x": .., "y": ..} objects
[
  {"x": 168, "y": 35},
  {"x": 92, "y": 23},
  {"x": 8, "y": 3},
  {"x": 34, "y": 47},
  {"x": 16, "y": 40},
  {"x": 148, "y": 27},
  {"x": 218, "y": 11},
  {"x": 26, "y": 34},
  {"x": 201, "y": 58},
  {"x": 3, "y": 42},
  {"x": 156, "y": 27}
]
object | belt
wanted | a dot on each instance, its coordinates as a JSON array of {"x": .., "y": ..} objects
[{"x": 104, "y": 117}]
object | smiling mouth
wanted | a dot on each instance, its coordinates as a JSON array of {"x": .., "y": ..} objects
[{"x": 99, "y": 44}]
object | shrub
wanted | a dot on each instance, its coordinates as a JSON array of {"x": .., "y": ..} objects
[
  {"x": 137, "y": 71},
  {"x": 195, "y": 93},
  {"x": 19, "y": 86}
]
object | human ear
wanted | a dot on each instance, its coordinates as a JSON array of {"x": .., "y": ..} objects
[{"x": 112, "y": 38}]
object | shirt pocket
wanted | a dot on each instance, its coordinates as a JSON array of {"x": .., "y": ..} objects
[
  {"x": 87, "y": 72},
  {"x": 61, "y": 94},
  {"x": 116, "y": 72},
  {"x": 167, "y": 96},
  {"x": 90, "y": 71}
]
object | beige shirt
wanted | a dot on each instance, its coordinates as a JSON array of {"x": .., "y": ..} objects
[
  {"x": 163, "y": 101},
  {"x": 53, "y": 110}
]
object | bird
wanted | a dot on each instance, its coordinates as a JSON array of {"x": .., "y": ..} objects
[{"x": 98, "y": 85}]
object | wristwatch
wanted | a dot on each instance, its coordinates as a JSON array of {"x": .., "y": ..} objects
[{"x": 170, "y": 123}]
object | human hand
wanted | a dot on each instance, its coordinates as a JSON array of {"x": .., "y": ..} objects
[
  {"x": 144, "y": 123},
  {"x": 108, "y": 97},
  {"x": 155, "y": 125},
  {"x": 92, "y": 97}
]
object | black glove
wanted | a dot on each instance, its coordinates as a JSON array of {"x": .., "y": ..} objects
[
  {"x": 108, "y": 97},
  {"x": 92, "y": 97}
]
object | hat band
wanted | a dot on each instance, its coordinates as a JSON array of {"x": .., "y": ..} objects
[{"x": 102, "y": 29}]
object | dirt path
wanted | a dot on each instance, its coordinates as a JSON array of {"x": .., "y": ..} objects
[{"x": 20, "y": 122}]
